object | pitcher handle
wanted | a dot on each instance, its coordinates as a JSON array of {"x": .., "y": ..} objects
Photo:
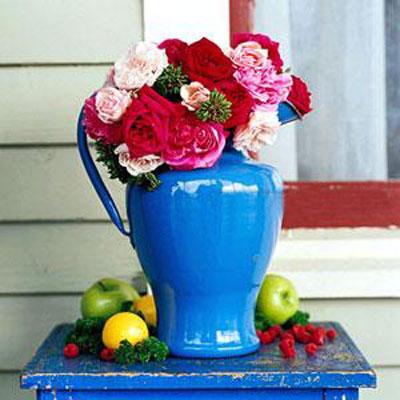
[{"x": 96, "y": 180}]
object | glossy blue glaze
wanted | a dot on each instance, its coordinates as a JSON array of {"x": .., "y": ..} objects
[{"x": 204, "y": 239}]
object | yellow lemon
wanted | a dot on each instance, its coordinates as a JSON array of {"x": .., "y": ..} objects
[
  {"x": 147, "y": 307},
  {"x": 121, "y": 326}
]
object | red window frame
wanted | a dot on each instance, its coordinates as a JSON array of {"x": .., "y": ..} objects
[{"x": 329, "y": 204}]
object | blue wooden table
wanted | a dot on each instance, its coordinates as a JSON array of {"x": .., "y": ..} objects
[{"x": 336, "y": 373}]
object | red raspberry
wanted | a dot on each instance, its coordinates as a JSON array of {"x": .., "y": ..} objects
[
  {"x": 298, "y": 329},
  {"x": 277, "y": 328},
  {"x": 272, "y": 332},
  {"x": 107, "y": 354},
  {"x": 259, "y": 333},
  {"x": 318, "y": 336},
  {"x": 331, "y": 334},
  {"x": 304, "y": 337},
  {"x": 287, "y": 335},
  {"x": 311, "y": 349},
  {"x": 287, "y": 349},
  {"x": 267, "y": 338},
  {"x": 310, "y": 328},
  {"x": 71, "y": 350}
]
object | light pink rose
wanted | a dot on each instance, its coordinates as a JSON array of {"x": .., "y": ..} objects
[
  {"x": 192, "y": 143},
  {"x": 249, "y": 54},
  {"x": 194, "y": 95},
  {"x": 141, "y": 65},
  {"x": 137, "y": 166},
  {"x": 111, "y": 104},
  {"x": 261, "y": 129},
  {"x": 266, "y": 86}
]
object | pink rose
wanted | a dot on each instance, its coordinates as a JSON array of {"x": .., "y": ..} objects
[
  {"x": 249, "y": 54},
  {"x": 261, "y": 129},
  {"x": 192, "y": 143},
  {"x": 266, "y": 86},
  {"x": 111, "y": 103},
  {"x": 194, "y": 95},
  {"x": 96, "y": 128},
  {"x": 141, "y": 65},
  {"x": 137, "y": 166}
]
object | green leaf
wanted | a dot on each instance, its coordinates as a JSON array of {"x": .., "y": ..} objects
[
  {"x": 151, "y": 349},
  {"x": 86, "y": 334},
  {"x": 169, "y": 83},
  {"x": 300, "y": 317}
]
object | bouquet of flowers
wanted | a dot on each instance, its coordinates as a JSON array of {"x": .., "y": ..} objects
[{"x": 177, "y": 105}]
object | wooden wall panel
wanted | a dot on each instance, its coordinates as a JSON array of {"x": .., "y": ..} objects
[
  {"x": 49, "y": 183},
  {"x": 57, "y": 257},
  {"x": 58, "y": 31},
  {"x": 41, "y": 104}
]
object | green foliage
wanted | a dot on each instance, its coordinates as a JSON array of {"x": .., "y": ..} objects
[
  {"x": 148, "y": 350},
  {"x": 262, "y": 323},
  {"x": 170, "y": 81},
  {"x": 86, "y": 334},
  {"x": 300, "y": 317},
  {"x": 217, "y": 108},
  {"x": 107, "y": 157}
]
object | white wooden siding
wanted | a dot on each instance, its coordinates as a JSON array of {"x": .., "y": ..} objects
[
  {"x": 59, "y": 31},
  {"x": 42, "y": 103}
]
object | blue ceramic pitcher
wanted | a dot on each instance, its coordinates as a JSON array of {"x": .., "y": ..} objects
[{"x": 204, "y": 239}]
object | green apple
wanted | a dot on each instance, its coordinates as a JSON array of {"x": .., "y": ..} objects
[
  {"x": 107, "y": 297},
  {"x": 277, "y": 299}
]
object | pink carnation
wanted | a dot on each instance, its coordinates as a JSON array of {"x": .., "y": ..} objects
[
  {"x": 96, "y": 128},
  {"x": 111, "y": 104},
  {"x": 266, "y": 86},
  {"x": 260, "y": 129},
  {"x": 192, "y": 143}
]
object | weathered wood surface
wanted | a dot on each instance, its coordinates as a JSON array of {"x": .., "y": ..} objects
[
  {"x": 338, "y": 365},
  {"x": 57, "y": 31}
]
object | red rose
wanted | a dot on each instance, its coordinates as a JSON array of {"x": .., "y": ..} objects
[
  {"x": 241, "y": 100},
  {"x": 265, "y": 42},
  {"x": 174, "y": 48},
  {"x": 145, "y": 122},
  {"x": 299, "y": 96},
  {"x": 96, "y": 128},
  {"x": 205, "y": 62}
]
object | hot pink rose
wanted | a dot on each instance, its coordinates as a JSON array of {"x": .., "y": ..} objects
[
  {"x": 265, "y": 42},
  {"x": 266, "y": 86},
  {"x": 111, "y": 103},
  {"x": 193, "y": 144},
  {"x": 146, "y": 122},
  {"x": 96, "y": 128},
  {"x": 249, "y": 54}
]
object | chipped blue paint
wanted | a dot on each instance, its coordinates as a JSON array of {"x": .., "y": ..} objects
[{"x": 336, "y": 373}]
